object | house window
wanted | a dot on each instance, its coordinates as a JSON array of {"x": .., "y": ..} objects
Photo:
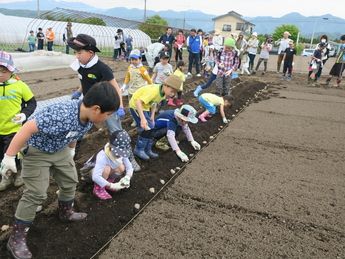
[
  {"x": 226, "y": 27},
  {"x": 241, "y": 26}
]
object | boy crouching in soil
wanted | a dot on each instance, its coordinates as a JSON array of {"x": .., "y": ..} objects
[{"x": 47, "y": 146}]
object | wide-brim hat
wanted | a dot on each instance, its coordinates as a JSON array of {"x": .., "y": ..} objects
[
  {"x": 83, "y": 41},
  {"x": 174, "y": 82},
  {"x": 7, "y": 61},
  {"x": 186, "y": 113},
  {"x": 120, "y": 143},
  {"x": 216, "y": 31}
]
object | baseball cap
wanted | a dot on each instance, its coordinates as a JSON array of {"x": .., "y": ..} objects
[
  {"x": 135, "y": 53},
  {"x": 186, "y": 113},
  {"x": 164, "y": 54},
  {"x": 40, "y": 29},
  {"x": 174, "y": 82},
  {"x": 7, "y": 61},
  {"x": 83, "y": 41},
  {"x": 50, "y": 26},
  {"x": 120, "y": 143}
]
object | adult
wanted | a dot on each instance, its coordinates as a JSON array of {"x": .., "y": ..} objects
[
  {"x": 253, "y": 44},
  {"x": 129, "y": 46},
  {"x": 40, "y": 37},
  {"x": 167, "y": 38},
  {"x": 178, "y": 46},
  {"x": 50, "y": 36},
  {"x": 217, "y": 40},
  {"x": 283, "y": 44},
  {"x": 151, "y": 52},
  {"x": 67, "y": 34},
  {"x": 194, "y": 43},
  {"x": 241, "y": 44},
  {"x": 325, "y": 56},
  {"x": 200, "y": 33},
  {"x": 119, "y": 38}
]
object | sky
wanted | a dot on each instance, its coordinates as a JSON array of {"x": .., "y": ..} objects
[{"x": 247, "y": 8}]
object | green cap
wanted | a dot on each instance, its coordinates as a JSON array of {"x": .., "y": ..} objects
[{"x": 230, "y": 42}]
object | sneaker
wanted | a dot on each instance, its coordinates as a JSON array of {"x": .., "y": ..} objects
[
  {"x": 198, "y": 75},
  {"x": 288, "y": 79},
  {"x": 282, "y": 79},
  {"x": 263, "y": 73},
  {"x": 189, "y": 74},
  {"x": 254, "y": 72}
]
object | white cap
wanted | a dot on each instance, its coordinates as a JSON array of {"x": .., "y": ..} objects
[{"x": 49, "y": 26}]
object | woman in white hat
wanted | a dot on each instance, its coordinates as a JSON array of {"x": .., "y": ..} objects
[{"x": 253, "y": 44}]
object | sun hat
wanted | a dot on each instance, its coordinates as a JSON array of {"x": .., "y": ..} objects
[
  {"x": 174, "y": 82},
  {"x": 7, "y": 61},
  {"x": 135, "y": 53},
  {"x": 83, "y": 41},
  {"x": 230, "y": 42},
  {"x": 286, "y": 32},
  {"x": 186, "y": 113},
  {"x": 164, "y": 54},
  {"x": 216, "y": 31},
  {"x": 255, "y": 34},
  {"x": 120, "y": 143}
]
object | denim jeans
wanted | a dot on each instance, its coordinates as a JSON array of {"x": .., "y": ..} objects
[
  {"x": 210, "y": 81},
  {"x": 194, "y": 58},
  {"x": 67, "y": 49},
  {"x": 50, "y": 45},
  {"x": 40, "y": 44},
  {"x": 32, "y": 47}
]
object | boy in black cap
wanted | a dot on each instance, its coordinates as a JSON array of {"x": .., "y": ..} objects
[
  {"x": 40, "y": 37},
  {"x": 92, "y": 70}
]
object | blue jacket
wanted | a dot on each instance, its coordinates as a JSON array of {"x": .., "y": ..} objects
[{"x": 195, "y": 43}]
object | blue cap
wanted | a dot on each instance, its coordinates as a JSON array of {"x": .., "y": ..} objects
[{"x": 135, "y": 53}]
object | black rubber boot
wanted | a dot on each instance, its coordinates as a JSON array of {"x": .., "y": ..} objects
[
  {"x": 17, "y": 242},
  {"x": 66, "y": 214}
]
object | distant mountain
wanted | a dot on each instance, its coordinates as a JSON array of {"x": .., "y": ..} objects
[{"x": 334, "y": 26}]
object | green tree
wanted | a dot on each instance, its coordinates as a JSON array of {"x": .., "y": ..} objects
[
  {"x": 94, "y": 21},
  {"x": 155, "y": 26},
  {"x": 279, "y": 32}
]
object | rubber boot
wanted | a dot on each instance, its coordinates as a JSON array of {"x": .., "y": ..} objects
[
  {"x": 179, "y": 102},
  {"x": 18, "y": 179},
  {"x": 101, "y": 192},
  {"x": 17, "y": 241},
  {"x": 202, "y": 117},
  {"x": 5, "y": 183},
  {"x": 139, "y": 149},
  {"x": 197, "y": 91},
  {"x": 171, "y": 102},
  {"x": 148, "y": 149},
  {"x": 66, "y": 214},
  {"x": 135, "y": 165}
]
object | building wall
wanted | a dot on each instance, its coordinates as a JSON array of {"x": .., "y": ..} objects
[{"x": 230, "y": 21}]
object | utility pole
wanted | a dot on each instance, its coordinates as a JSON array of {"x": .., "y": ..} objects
[
  {"x": 145, "y": 11},
  {"x": 38, "y": 9}
]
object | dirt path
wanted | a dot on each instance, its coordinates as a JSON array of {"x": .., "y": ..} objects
[{"x": 271, "y": 185}]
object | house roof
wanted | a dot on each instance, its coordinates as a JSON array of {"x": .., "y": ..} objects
[{"x": 234, "y": 14}]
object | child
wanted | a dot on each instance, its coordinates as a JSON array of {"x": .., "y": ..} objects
[
  {"x": 264, "y": 55},
  {"x": 32, "y": 39},
  {"x": 245, "y": 63},
  {"x": 109, "y": 163},
  {"x": 40, "y": 37},
  {"x": 166, "y": 48},
  {"x": 92, "y": 70},
  {"x": 288, "y": 61},
  {"x": 46, "y": 143},
  {"x": 161, "y": 71},
  {"x": 179, "y": 72},
  {"x": 227, "y": 62},
  {"x": 143, "y": 106},
  {"x": 210, "y": 101},
  {"x": 316, "y": 59},
  {"x": 339, "y": 65},
  {"x": 168, "y": 126},
  {"x": 209, "y": 58},
  {"x": 136, "y": 75},
  {"x": 17, "y": 104}
]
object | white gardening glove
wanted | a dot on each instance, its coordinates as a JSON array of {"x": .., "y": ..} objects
[
  {"x": 283, "y": 62},
  {"x": 195, "y": 145},
  {"x": 225, "y": 120},
  {"x": 19, "y": 118},
  {"x": 8, "y": 163},
  {"x": 72, "y": 151},
  {"x": 221, "y": 65},
  {"x": 182, "y": 156},
  {"x": 227, "y": 73},
  {"x": 123, "y": 87},
  {"x": 293, "y": 63},
  {"x": 123, "y": 183}
]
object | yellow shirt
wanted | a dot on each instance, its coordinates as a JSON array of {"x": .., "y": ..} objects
[
  {"x": 180, "y": 75},
  {"x": 150, "y": 95},
  {"x": 214, "y": 99}
]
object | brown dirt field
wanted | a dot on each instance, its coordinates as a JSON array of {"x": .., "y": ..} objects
[{"x": 269, "y": 185}]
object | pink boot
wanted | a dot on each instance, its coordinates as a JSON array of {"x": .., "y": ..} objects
[
  {"x": 111, "y": 180},
  {"x": 179, "y": 102},
  {"x": 208, "y": 116},
  {"x": 101, "y": 192},
  {"x": 171, "y": 102},
  {"x": 202, "y": 117}
]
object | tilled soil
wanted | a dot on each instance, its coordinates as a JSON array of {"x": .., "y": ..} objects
[{"x": 49, "y": 237}]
